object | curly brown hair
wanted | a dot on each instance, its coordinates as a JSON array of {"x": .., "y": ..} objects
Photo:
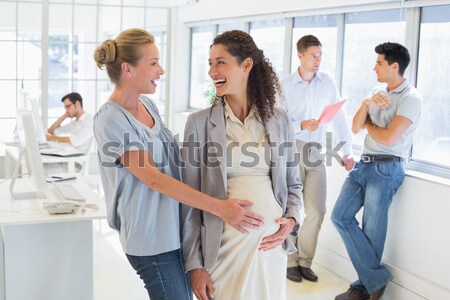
[{"x": 263, "y": 82}]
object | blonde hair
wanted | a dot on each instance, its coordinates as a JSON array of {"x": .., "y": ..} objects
[{"x": 124, "y": 48}]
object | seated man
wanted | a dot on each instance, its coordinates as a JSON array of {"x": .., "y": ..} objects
[{"x": 79, "y": 132}]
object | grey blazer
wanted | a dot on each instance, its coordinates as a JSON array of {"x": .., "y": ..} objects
[{"x": 205, "y": 170}]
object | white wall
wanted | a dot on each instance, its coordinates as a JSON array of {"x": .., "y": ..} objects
[
  {"x": 417, "y": 249},
  {"x": 214, "y": 9}
]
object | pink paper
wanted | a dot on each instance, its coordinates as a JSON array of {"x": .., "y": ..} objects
[{"x": 330, "y": 111}]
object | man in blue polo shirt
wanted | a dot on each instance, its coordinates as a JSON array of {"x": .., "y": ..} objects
[{"x": 390, "y": 115}]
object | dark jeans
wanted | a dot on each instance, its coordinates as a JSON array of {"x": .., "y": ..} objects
[{"x": 163, "y": 275}]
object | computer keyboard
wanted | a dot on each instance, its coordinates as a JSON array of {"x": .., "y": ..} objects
[
  {"x": 68, "y": 191},
  {"x": 44, "y": 146},
  {"x": 50, "y": 145}
]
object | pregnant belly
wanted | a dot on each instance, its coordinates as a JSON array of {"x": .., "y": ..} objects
[{"x": 257, "y": 189}]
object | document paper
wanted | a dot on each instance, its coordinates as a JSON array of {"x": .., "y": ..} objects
[{"x": 330, "y": 111}]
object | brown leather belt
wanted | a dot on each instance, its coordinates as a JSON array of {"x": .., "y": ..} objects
[{"x": 367, "y": 158}]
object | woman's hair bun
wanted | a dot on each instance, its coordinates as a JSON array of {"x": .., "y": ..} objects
[{"x": 105, "y": 53}]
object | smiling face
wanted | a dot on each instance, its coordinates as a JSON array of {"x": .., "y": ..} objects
[
  {"x": 384, "y": 71},
  {"x": 147, "y": 70},
  {"x": 230, "y": 78}
]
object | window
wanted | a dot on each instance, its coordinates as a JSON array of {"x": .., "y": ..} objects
[
  {"x": 324, "y": 27},
  {"x": 358, "y": 77},
  {"x": 221, "y": 28},
  {"x": 432, "y": 81},
  {"x": 159, "y": 96},
  {"x": 201, "y": 86},
  {"x": 354, "y": 36},
  {"x": 75, "y": 28},
  {"x": 21, "y": 46},
  {"x": 268, "y": 36}
]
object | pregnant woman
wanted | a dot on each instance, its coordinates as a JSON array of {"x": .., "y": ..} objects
[{"x": 242, "y": 146}]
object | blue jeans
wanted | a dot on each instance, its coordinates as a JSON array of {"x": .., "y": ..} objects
[
  {"x": 371, "y": 185},
  {"x": 163, "y": 275}
]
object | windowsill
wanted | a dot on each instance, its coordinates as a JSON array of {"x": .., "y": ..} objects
[{"x": 428, "y": 177}]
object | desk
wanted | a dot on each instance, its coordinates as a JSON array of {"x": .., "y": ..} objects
[
  {"x": 42, "y": 256},
  {"x": 12, "y": 155}
]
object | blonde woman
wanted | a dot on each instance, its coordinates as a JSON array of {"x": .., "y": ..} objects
[{"x": 139, "y": 167}]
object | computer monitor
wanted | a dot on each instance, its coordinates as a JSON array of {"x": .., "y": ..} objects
[
  {"x": 40, "y": 132},
  {"x": 28, "y": 150},
  {"x": 31, "y": 104}
]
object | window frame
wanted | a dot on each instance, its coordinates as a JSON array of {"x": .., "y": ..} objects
[{"x": 43, "y": 36}]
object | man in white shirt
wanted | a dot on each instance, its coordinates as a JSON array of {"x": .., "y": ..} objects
[
  {"x": 78, "y": 132},
  {"x": 306, "y": 92}
]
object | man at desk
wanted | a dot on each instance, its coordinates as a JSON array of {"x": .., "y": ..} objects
[{"x": 78, "y": 132}]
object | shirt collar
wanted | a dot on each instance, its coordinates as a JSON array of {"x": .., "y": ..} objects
[
  {"x": 297, "y": 78},
  {"x": 230, "y": 115},
  {"x": 400, "y": 88},
  {"x": 83, "y": 116}
]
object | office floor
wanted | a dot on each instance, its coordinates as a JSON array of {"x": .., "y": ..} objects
[{"x": 114, "y": 279}]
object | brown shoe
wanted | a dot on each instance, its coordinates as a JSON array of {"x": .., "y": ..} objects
[
  {"x": 352, "y": 294},
  {"x": 293, "y": 273},
  {"x": 377, "y": 295}
]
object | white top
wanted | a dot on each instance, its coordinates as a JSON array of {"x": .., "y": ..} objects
[
  {"x": 405, "y": 101},
  {"x": 79, "y": 131},
  {"x": 148, "y": 222},
  {"x": 305, "y": 101},
  {"x": 247, "y": 142}
]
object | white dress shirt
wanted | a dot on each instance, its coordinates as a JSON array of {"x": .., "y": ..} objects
[
  {"x": 80, "y": 132},
  {"x": 305, "y": 101}
]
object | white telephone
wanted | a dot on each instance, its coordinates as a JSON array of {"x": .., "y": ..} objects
[{"x": 56, "y": 208}]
